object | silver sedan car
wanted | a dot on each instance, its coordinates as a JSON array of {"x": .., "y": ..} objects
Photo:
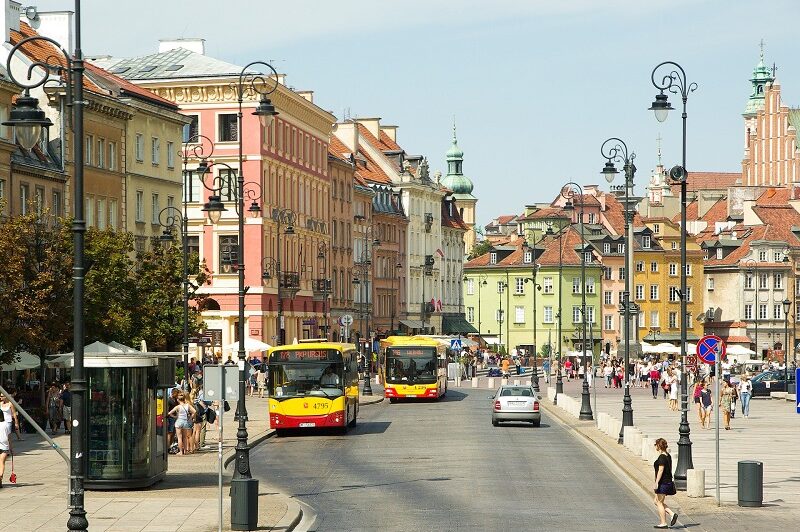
[{"x": 516, "y": 403}]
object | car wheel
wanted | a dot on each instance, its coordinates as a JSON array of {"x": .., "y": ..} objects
[
  {"x": 536, "y": 423},
  {"x": 495, "y": 423}
]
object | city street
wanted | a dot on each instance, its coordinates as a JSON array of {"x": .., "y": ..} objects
[{"x": 442, "y": 466}]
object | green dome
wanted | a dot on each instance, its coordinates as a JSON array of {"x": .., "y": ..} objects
[
  {"x": 459, "y": 184},
  {"x": 455, "y": 179},
  {"x": 455, "y": 152}
]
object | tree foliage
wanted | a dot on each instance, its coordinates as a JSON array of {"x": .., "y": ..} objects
[{"x": 480, "y": 248}]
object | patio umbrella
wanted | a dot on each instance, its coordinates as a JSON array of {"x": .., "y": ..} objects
[
  {"x": 250, "y": 344},
  {"x": 24, "y": 360},
  {"x": 667, "y": 348},
  {"x": 122, "y": 347}
]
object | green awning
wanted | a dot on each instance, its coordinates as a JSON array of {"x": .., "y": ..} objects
[{"x": 457, "y": 325}]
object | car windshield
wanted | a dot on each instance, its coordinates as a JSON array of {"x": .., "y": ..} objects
[
  {"x": 516, "y": 392},
  {"x": 305, "y": 379},
  {"x": 406, "y": 365}
]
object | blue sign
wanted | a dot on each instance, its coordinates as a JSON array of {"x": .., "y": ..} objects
[
  {"x": 708, "y": 347},
  {"x": 796, "y": 395},
  {"x": 455, "y": 343}
]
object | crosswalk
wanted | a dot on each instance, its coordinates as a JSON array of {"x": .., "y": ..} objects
[{"x": 486, "y": 382}]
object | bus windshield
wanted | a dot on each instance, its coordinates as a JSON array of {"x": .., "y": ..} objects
[
  {"x": 411, "y": 364},
  {"x": 303, "y": 379}
]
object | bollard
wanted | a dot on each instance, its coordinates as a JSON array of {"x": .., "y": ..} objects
[
  {"x": 636, "y": 443},
  {"x": 516, "y": 382},
  {"x": 647, "y": 449},
  {"x": 551, "y": 393},
  {"x": 627, "y": 436},
  {"x": 614, "y": 427},
  {"x": 504, "y": 382},
  {"x": 696, "y": 482},
  {"x": 491, "y": 383},
  {"x": 751, "y": 483},
  {"x": 474, "y": 382},
  {"x": 602, "y": 418}
]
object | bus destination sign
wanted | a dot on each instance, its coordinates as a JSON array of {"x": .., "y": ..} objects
[
  {"x": 306, "y": 355},
  {"x": 412, "y": 351}
]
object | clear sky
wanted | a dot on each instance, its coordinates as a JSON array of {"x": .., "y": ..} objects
[{"x": 536, "y": 86}]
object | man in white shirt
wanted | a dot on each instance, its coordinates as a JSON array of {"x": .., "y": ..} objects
[
  {"x": 329, "y": 378},
  {"x": 745, "y": 392}
]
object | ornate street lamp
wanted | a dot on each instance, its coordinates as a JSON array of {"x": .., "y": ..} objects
[
  {"x": 288, "y": 282},
  {"x": 675, "y": 81},
  {"x": 28, "y": 121},
  {"x": 170, "y": 218},
  {"x": 536, "y": 287},
  {"x": 568, "y": 192},
  {"x": 615, "y": 150},
  {"x": 559, "y": 376},
  {"x": 786, "y": 306}
]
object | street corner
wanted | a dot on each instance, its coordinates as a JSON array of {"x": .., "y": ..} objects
[{"x": 369, "y": 399}]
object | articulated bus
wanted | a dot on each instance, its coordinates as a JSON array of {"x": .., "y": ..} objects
[
  {"x": 413, "y": 367},
  {"x": 313, "y": 384}
]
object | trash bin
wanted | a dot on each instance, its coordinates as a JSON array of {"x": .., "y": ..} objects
[{"x": 751, "y": 483}]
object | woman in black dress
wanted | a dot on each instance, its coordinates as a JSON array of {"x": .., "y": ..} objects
[{"x": 663, "y": 485}]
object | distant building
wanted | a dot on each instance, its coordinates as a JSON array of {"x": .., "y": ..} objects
[{"x": 461, "y": 187}]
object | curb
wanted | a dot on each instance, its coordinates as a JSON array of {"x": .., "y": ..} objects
[
  {"x": 231, "y": 454},
  {"x": 369, "y": 399},
  {"x": 292, "y": 517}
]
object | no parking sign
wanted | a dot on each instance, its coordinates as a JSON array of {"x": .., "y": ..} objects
[{"x": 709, "y": 347}]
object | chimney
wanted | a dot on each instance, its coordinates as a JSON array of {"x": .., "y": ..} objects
[
  {"x": 373, "y": 125},
  {"x": 58, "y": 26},
  {"x": 347, "y": 133},
  {"x": 195, "y": 45},
  {"x": 308, "y": 95},
  {"x": 391, "y": 132},
  {"x": 11, "y": 14}
]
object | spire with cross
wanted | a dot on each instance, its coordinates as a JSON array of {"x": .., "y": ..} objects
[{"x": 658, "y": 142}]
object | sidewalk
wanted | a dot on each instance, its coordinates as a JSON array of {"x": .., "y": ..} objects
[{"x": 769, "y": 435}]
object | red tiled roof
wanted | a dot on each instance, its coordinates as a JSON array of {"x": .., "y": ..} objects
[
  {"x": 615, "y": 215},
  {"x": 551, "y": 246},
  {"x": 453, "y": 221},
  {"x": 125, "y": 86},
  {"x": 387, "y": 142},
  {"x": 45, "y": 52},
  {"x": 698, "y": 181},
  {"x": 717, "y": 213},
  {"x": 773, "y": 197},
  {"x": 366, "y": 169},
  {"x": 737, "y": 339},
  {"x": 505, "y": 219}
]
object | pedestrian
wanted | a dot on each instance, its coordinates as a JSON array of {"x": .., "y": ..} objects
[
  {"x": 698, "y": 389},
  {"x": 608, "y": 370},
  {"x": 546, "y": 370},
  {"x": 54, "y": 412},
  {"x": 673, "y": 389},
  {"x": 663, "y": 485},
  {"x": 5, "y": 449},
  {"x": 707, "y": 404},
  {"x": 199, "y": 421},
  {"x": 734, "y": 398},
  {"x": 10, "y": 421},
  {"x": 261, "y": 382},
  {"x": 172, "y": 402},
  {"x": 182, "y": 414},
  {"x": 506, "y": 364},
  {"x": 745, "y": 391},
  {"x": 725, "y": 403},
  {"x": 66, "y": 408},
  {"x": 568, "y": 369}
]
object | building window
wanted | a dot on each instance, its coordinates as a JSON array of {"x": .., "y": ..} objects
[
  {"x": 498, "y": 316},
  {"x": 470, "y": 286},
  {"x": 719, "y": 254},
  {"x": 156, "y": 209},
  {"x": 674, "y": 294},
  {"x": 639, "y": 292},
  {"x": 748, "y": 312},
  {"x": 24, "y": 198},
  {"x": 548, "y": 314},
  {"x": 654, "y": 292},
  {"x": 547, "y": 285},
  {"x": 620, "y": 248},
  {"x": 170, "y": 201},
  {"x": 227, "y": 128},
  {"x": 778, "y": 283},
  {"x": 590, "y": 313},
  {"x": 140, "y": 206},
  {"x": 646, "y": 241},
  {"x": 654, "y": 322},
  {"x": 191, "y": 129},
  {"x": 576, "y": 314},
  {"x": 762, "y": 256},
  {"x": 228, "y": 253},
  {"x": 608, "y": 322},
  {"x": 38, "y": 200},
  {"x": 587, "y": 257},
  {"x": 607, "y": 297},
  {"x": 689, "y": 294},
  {"x": 656, "y": 228},
  {"x": 112, "y": 213},
  {"x": 471, "y": 314},
  {"x": 710, "y": 282},
  {"x": 777, "y": 311},
  {"x": 777, "y": 256},
  {"x": 639, "y": 266},
  {"x": 688, "y": 270},
  {"x": 674, "y": 245},
  {"x": 57, "y": 206},
  {"x": 89, "y": 150},
  {"x": 622, "y": 274},
  {"x": 762, "y": 312},
  {"x": 654, "y": 267},
  {"x": 621, "y": 297},
  {"x": 519, "y": 314},
  {"x": 155, "y": 146},
  {"x": 193, "y": 247},
  {"x": 748, "y": 280},
  {"x": 576, "y": 285},
  {"x": 170, "y": 155},
  {"x": 590, "y": 285},
  {"x": 112, "y": 156},
  {"x": 606, "y": 248},
  {"x": 101, "y": 213},
  {"x": 101, "y": 153},
  {"x": 519, "y": 285},
  {"x": 501, "y": 287},
  {"x": 592, "y": 218},
  {"x": 607, "y": 273},
  {"x": 493, "y": 258},
  {"x": 763, "y": 281},
  {"x": 527, "y": 257},
  {"x": 139, "y": 147},
  {"x": 89, "y": 208},
  {"x": 673, "y": 320},
  {"x": 2, "y": 188},
  {"x": 673, "y": 269}
]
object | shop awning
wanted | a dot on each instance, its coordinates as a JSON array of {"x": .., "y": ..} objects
[
  {"x": 457, "y": 325},
  {"x": 412, "y": 324}
]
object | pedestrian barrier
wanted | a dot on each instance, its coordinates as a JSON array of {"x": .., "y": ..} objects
[
  {"x": 614, "y": 427},
  {"x": 777, "y": 395},
  {"x": 504, "y": 382},
  {"x": 629, "y": 439},
  {"x": 636, "y": 442},
  {"x": 474, "y": 382},
  {"x": 551, "y": 393},
  {"x": 491, "y": 383},
  {"x": 696, "y": 482},
  {"x": 602, "y": 418}
]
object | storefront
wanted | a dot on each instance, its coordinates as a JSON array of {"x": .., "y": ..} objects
[{"x": 127, "y": 441}]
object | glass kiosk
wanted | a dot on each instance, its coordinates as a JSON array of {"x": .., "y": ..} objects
[{"x": 127, "y": 440}]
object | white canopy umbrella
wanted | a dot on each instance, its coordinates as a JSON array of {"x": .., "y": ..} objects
[
  {"x": 122, "y": 347},
  {"x": 250, "y": 344},
  {"x": 649, "y": 349},
  {"x": 667, "y": 348},
  {"x": 23, "y": 360},
  {"x": 96, "y": 347}
]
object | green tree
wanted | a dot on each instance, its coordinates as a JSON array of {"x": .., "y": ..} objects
[{"x": 480, "y": 248}]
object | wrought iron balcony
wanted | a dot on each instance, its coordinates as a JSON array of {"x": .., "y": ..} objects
[
  {"x": 321, "y": 288},
  {"x": 289, "y": 284}
]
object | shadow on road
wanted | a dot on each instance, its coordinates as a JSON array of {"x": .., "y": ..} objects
[{"x": 348, "y": 487}]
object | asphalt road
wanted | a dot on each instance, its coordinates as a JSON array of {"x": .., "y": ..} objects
[{"x": 442, "y": 466}]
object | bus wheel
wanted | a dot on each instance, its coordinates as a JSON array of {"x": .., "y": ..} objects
[
  {"x": 279, "y": 433},
  {"x": 393, "y": 399},
  {"x": 353, "y": 421}
]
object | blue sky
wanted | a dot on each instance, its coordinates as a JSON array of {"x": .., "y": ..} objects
[{"x": 536, "y": 86}]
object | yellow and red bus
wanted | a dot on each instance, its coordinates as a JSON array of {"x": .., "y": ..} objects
[
  {"x": 313, "y": 384},
  {"x": 413, "y": 367}
]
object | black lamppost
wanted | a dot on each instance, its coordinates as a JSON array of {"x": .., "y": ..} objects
[
  {"x": 398, "y": 267},
  {"x": 786, "y": 306},
  {"x": 536, "y": 287},
  {"x": 322, "y": 285},
  {"x": 675, "y": 81},
  {"x": 170, "y": 218},
  {"x": 615, "y": 150},
  {"x": 751, "y": 274},
  {"x": 364, "y": 266},
  {"x": 501, "y": 288},
  {"x": 288, "y": 282},
  {"x": 482, "y": 281},
  {"x": 559, "y": 376},
  {"x": 28, "y": 121},
  {"x": 569, "y": 191},
  {"x": 789, "y": 261}
]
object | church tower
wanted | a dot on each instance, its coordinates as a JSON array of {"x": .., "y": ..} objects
[
  {"x": 456, "y": 181},
  {"x": 761, "y": 77}
]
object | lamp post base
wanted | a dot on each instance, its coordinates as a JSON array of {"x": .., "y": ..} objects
[
  {"x": 367, "y": 388},
  {"x": 559, "y": 387},
  {"x": 586, "y": 405},
  {"x": 627, "y": 412}
]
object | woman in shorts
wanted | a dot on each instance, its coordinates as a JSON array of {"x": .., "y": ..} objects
[
  {"x": 183, "y": 413},
  {"x": 663, "y": 485}
]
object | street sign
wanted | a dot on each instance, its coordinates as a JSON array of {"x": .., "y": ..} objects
[
  {"x": 455, "y": 343},
  {"x": 709, "y": 347},
  {"x": 347, "y": 319},
  {"x": 691, "y": 361}
]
